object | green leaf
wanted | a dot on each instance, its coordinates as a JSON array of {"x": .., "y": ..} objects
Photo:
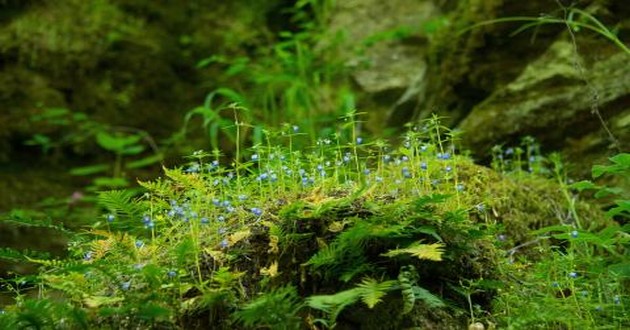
[
  {"x": 116, "y": 143},
  {"x": 422, "y": 251},
  {"x": 584, "y": 185},
  {"x": 107, "y": 182},
  {"x": 430, "y": 299},
  {"x": 88, "y": 170},
  {"x": 146, "y": 161},
  {"x": 372, "y": 291}
]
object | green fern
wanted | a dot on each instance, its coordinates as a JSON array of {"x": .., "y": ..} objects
[
  {"x": 406, "y": 279},
  {"x": 370, "y": 291},
  {"x": 276, "y": 310},
  {"x": 120, "y": 202},
  {"x": 23, "y": 218},
  {"x": 14, "y": 255}
]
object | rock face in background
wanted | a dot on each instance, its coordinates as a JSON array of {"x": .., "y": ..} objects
[
  {"x": 499, "y": 87},
  {"x": 554, "y": 100}
]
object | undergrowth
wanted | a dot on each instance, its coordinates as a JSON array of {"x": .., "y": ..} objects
[{"x": 349, "y": 233}]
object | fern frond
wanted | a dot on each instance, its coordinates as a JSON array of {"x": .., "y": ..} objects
[
  {"x": 120, "y": 202},
  {"x": 14, "y": 255},
  {"x": 430, "y": 299},
  {"x": 372, "y": 291},
  {"x": 276, "y": 309},
  {"x": 23, "y": 218},
  {"x": 422, "y": 251}
]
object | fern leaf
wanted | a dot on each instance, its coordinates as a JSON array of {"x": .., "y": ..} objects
[
  {"x": 430, "y": 299},
  {"x": 373, "y": 291},
  {"x": 422, "y": 251},
  {"x": 121, "y": 202}
]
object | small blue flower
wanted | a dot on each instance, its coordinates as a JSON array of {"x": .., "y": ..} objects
[
  {"x": 502, "y": 237},
  {"x": 359, "y": 140},
  {"x": 448, "y": 168},
  {"x": 257, "y": 212},
  {"x": 273, "y": 177},
  {"x": 378, "y": 179},
  {"x": 226, "y": 203},
  {"x": 255, "y": 157},
  {"x": 320, "y": 167},
  {"x": 555, "y": 284},
  {"x": 573, "y": 275},
  {"x": 387, "y": 158},
  {"x": 242, "y": 197},
  {"x": 404, "y": 158},
  {"x": 149, "y": 225},
  {"x": 599, "y": 308},
  {"x": 574, "y": 234},
  {"x": 146, "y": 219},
  {"x": 480, "y": 207},
  {"x": 139, "y": 244},
  {"x": 204, "y": 220},
  {"x": 88, "y": 256},
  {"x": 230, "y": 209},
  {"x": 216, "y": 202},
  {"x": 423, "y": 148},
  {"x": 125, "y": 285},
  {"x": 171, "y": 273},
  {"x": 221, "y": 218},
  {"x": 221, "y": 231},
  {"x": 262, "y": 176},
  {"x": 295, "y": 128},
  {"x": 224, "y": 243},
  {"x": 424, "y": 166},
  {"x": 509, "y": 151},
  {"x": 110, "y": 218},
  {"x": 616, "y": 300},
  {"x": 459, "y": 187},
  {"x": 366, "y": 171},
  {"x": 215, "y": 163}
]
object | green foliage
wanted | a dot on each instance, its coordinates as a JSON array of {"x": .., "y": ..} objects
[
  {"x": 276, "y": 309},
  {"x": 575, "y": 19},
  {"x": 370, "y": 291},
  {"x": 582, "y": 279}
]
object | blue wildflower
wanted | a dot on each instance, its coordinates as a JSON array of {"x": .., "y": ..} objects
[
  {"x": 423, "y": 148},
  {"x": 255, "y": 157},
  {"x": 125, "y": 285},
  {"x": 573, "y": 275},
  {"x": 359, "y": 140},
  {"x": 448, "y": 168},
  {"x": 221, "y": 218},
  {"x": 224, "y": 243},
  {"x": 257, "y": 212},
  {"x": 574, "y": 234},
  {"x": 171, "y": 273},
  {"x": 216, "y": 202},
  {"x": 295, "y": 128},
  {"x": 459, "y": 187},
  {"x": 424, "y": 166},
  {"x": 110, "y": 218},
  {"x": 366, "y": 171},
  {"x": 139, "y": 243},
  {"x": 242, "y": 197},
  {"x": 204, "y": 220},
  {"x": 617, "y": 300},
  {"x": 88, "y": 256},
  {"x": 378, "y": 179}
]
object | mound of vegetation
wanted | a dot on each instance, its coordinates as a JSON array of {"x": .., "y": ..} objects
[{"x": 348, "y": 234}]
